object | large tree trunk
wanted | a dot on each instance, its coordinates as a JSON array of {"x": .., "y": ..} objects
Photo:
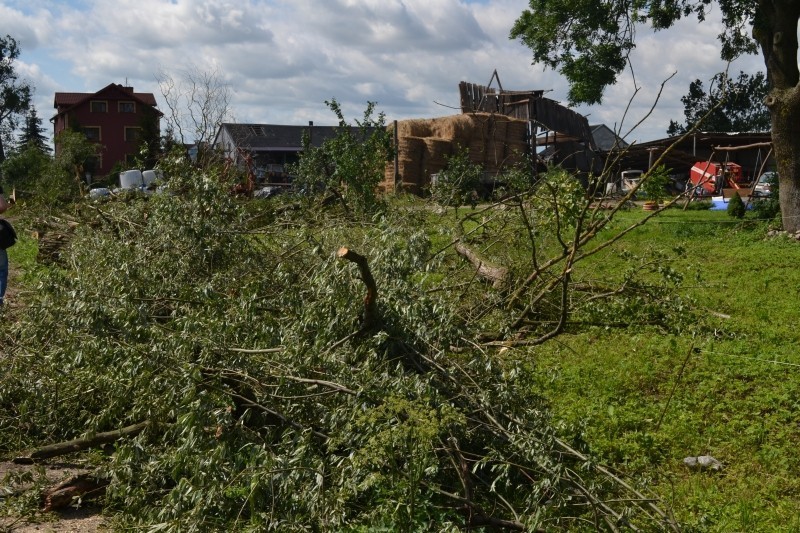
[
  {"x": 775, "y": 29},
  {"x": 786, "y": 144}
]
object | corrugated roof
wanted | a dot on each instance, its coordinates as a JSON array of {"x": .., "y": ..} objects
[{"x": 264, "y": 137}]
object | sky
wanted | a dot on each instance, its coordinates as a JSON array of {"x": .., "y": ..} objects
[{"x": 282, "y": 59}]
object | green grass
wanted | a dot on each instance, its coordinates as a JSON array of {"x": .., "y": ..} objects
[{"x": 737, "y": 398}]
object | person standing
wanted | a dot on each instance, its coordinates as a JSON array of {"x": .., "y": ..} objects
[{"x": 4, "y": 205}]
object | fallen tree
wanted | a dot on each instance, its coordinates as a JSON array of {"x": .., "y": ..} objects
[{"x": 285, "y": 398}]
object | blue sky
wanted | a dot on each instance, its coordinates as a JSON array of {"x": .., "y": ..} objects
[{"x": 284, "y": 58}]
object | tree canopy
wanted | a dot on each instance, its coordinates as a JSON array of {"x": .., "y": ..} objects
[
  {"x": 15, "y": 95},
  {"x": 589, "y": 42},
  {"x": 731, "y": 105}
]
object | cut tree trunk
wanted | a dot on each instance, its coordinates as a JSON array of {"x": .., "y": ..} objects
[{"x": 82, "y": 486}]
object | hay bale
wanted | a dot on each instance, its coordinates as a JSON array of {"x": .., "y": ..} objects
[
  {"x": 516, "y": 152},
  {"x": 516, "y": 131},
  {"x": 437, "y": 148},
  {"x": 454, "y": 127},
  {"x": 410, "y": 147},
  {"x": 414, "y": 127},
  {"x": 495, "y": 152},
  {"x": 497, "y": 129},
  {"x": 477, "y": 150},
  {"x": 410, "y": 171}
]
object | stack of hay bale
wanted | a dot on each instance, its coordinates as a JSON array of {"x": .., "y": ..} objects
[{"x": 495, "y": 142}]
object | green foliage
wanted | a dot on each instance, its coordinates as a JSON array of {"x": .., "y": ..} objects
[
  {"x": 39, "y": 179},
  {"x": 351, "y": 165},
  {"x": 654, "y": 184},
  {"x": 459, "y": 183},
  {"x": 33, "y": 133},
  {"x": 75, "y": 154},
  {"x": 731, "y": 105},
  {"x": 590, "y": 42},
  {"x": 15, "y": 95},
  {"x": 769, "y": 208},
  {"x": 150, "y": 141},
  {"x": 25, "y": 167},
  {"x": 736, "y": 207},
  {"x": 699, "y": 205}
]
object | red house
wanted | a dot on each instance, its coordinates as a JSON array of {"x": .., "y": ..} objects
[{"x": 115, "y": 117}]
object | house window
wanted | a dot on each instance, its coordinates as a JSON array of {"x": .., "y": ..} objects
[
  {"x": 92, "y": 133},
  {"x": 132, "y": 134},
  {"x": 127, "y": 107},
  {"x": 93, "y": 164},
  {"x": 98, "y": 106}
]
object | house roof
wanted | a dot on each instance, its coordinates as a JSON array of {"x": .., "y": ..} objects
[
  {"x": 66, "y": 101},
  {"x": 605, "y": 138},
  {"x": 275, "y": 137}
]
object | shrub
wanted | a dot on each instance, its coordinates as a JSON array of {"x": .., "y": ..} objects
[
  {"x": 459, "y": 182},
  {"x": 349, "y": 166},
  {"x": 736, "y": 207},
  {"x": 769, "y": 208}
]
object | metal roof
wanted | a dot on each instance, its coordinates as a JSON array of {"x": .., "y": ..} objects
[{"x": 275, "y": 137}]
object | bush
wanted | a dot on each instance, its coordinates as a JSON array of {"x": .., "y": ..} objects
[
  {"x": 736, "y": 207},
  {"x": 349, "y": 166},
  {"x": 459, "y": 183},
  {"x": 769, "y": 208}
]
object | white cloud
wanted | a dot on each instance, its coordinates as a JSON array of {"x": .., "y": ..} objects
[{"x": 284, "y": 58}]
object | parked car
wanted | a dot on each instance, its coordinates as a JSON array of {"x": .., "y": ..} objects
[{"x": 763, "y": 187}]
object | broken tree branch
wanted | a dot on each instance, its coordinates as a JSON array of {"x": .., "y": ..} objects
[
  {"x": 76, "y": 445},
  {"x": 497, "y": 275},
  {"x": 371, "y": 318}
]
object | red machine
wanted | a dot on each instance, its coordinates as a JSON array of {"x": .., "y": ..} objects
[{"x": 708, "y": 177}]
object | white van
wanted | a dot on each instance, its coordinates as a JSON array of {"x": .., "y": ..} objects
[{"x": 629, "y": 179}]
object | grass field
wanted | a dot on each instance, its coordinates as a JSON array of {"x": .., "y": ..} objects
[{"x": 643, "y": 400}]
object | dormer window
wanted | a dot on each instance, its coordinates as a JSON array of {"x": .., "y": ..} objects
[{"x": 98, "y": 106}]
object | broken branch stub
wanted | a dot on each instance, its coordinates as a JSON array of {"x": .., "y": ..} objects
[{"x": 371, "y": 318}]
